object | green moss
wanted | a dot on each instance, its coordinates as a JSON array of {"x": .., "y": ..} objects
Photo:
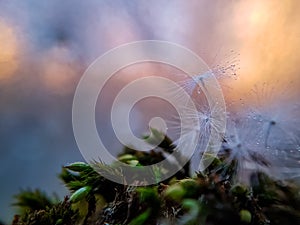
[{"x": 212, "y": 197}]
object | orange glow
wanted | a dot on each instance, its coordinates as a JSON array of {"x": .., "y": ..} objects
[
  {"x": 259, "y": 14},
  {"x": 8, "y": 51},
  {"x": 59, "y": 71},
  {"x": 269, "y": 42}
]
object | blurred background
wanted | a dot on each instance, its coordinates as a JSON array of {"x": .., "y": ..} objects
[{"x": 45, "y": 46}]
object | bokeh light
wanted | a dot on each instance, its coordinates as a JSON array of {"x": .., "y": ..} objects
[{"x": 45, "y": 46}]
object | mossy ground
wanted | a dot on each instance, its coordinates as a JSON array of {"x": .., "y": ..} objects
[{"x": 213, "y": 197}]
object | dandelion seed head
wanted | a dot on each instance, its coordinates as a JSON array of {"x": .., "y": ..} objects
[
  {"x": 275, "y": 111},
  {"x": 226, "y": 68},
  {"x": 278, "y": 112},
  {"x": 209, "y": 121},
  {"x": 263, "y": 134},
  {"x": 243, "y": 141}
]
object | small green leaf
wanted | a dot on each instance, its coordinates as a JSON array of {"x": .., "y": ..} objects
[
  {"x": 59, "y": 222},
  {"x": 193, "y": 211},
  {"x": 141, "y": 219}
]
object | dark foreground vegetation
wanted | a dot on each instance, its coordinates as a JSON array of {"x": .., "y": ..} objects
[{"x": 212, "y": 197}]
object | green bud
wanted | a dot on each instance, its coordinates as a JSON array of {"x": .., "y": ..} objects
[
  {"x": 245, "y": 216},
  {"x": 192, "y": 187},
  {"x": 133, "y": 162},
  {"x": 239, "y": 190},
  {"x": 126, "y": 157},
  {"x": 175, "y": 192},
  {"x": 77, "y": 166},
  {"x": 80, "y": 194},
  {"x": 186, "y": 183}
]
